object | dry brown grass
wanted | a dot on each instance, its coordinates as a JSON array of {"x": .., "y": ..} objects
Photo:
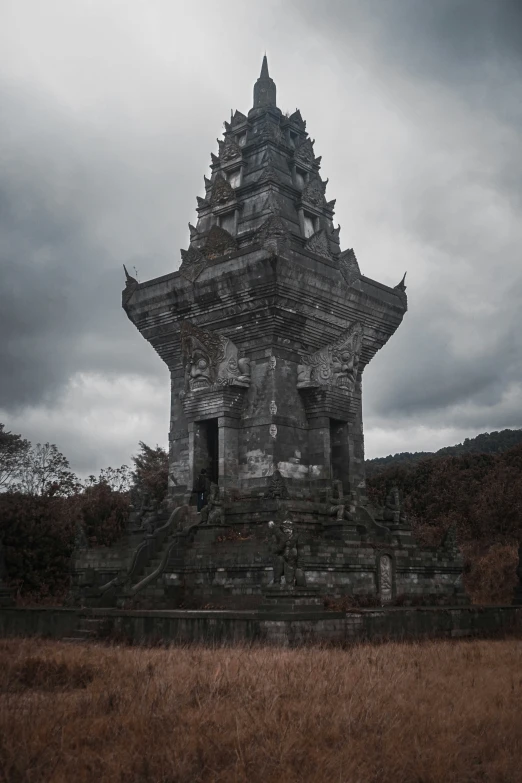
[{"x": 421, "y": 713}]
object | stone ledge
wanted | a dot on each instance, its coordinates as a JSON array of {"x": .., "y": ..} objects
[{"x": 210, "y": 626}]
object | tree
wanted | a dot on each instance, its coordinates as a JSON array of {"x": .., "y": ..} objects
[
  {"x": 13, "y": 455},
  {"x": 38, "y": 534},
  {"x": 118, "y": 479},
  {"x": 45, "y": 471},
  {"x": 151, "y": 473},
  {"x": 104, "y": 505}
]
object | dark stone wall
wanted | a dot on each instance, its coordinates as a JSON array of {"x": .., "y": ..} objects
[{"x": 239, "y": 627}]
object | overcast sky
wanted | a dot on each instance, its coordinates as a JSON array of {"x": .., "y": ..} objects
[{"x": 109, "y": 110}]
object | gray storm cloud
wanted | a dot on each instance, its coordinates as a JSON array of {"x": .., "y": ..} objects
[{"x": 109, "y": 114}]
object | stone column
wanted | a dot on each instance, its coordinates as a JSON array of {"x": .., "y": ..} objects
[{"x": 228, "y": 442}]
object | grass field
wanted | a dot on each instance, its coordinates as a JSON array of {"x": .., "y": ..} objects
[{"x": 398, "y": 713}]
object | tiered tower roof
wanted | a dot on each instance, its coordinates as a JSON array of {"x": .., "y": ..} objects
[{"x": 265, "y": 186}]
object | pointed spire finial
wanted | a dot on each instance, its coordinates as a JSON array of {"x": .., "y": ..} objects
[
  {"x": 402, "y": 285},
  {"x": 264, "y": 88},
  {"x": 129, "y": 279}
]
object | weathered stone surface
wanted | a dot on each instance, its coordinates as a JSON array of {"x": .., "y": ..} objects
[{"x": 266, "y": 330}]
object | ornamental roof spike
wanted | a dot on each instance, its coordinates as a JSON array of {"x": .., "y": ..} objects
[{"x": 264, "y": 69}]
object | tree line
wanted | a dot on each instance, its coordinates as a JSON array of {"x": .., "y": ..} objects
[
  {"x": 44, "y": 505},
  {"x": 480, "y": 494},
  {"x": 485, "y": 443}
]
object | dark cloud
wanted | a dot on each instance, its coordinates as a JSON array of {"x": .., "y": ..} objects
[{"x": 416, "y": 107}]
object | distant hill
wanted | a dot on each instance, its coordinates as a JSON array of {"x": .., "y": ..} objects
[{"x": 486, "y": 443}]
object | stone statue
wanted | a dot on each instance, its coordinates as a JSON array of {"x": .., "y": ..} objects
[
  {"x": 212, "y": 513},
  {"x": 284, "y": 546},
  {"x": 211, "y": 359},
  {"x": 335, "y": 364},
  {"x": 338, "y": 508},
  {"x": 393, "y": 508},
  {"x": 80, "y": 539},
  {"x": 148, "y": 514}
]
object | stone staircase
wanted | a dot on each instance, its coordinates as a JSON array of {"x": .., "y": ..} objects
[
  {"x": 168, "y": 551},
  {"x": 88, "y": 630}
]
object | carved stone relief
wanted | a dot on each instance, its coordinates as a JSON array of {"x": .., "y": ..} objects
[
  {"x": 385, "y": 578},
  {"x": 335, "y": 364},
  {"x": 318, "y": 243},
  {"x": 314, "y": 191},
  {"x": 222, "y": 191},
  {"x": 192, "y": 263},
  {"x": 219, "y": 243},
  {"x": 273, "y": 234},
  {"x": 277, "y": 487},
  {"x": 211, "y": 359},
  {"x": 305, "y": 152},
  {"x": 349, "y": 267},
  {"x": 228, "y": 150}
]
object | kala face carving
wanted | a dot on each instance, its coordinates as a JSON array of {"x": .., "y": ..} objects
[
  {"x": 211, "y": 359},
  {"x": 335, "y": 364}
]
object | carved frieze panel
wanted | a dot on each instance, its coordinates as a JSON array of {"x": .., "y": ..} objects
[
  {"x": 318, "y": 243},
  {"x": 192, "y": 263},
  {"x": 314, "y": 191},
  {"x": 211, "y": 360},
  {"x": 228, "y": 150},
  {"x": 269, "y": 174},
  {"x": 219, "y": 243},
  {"x": 273, "y": 234},
  {"x": 335, "y": 364},
  {"x": 349, "y": 267},
  {"x": 305, "y": 152},
  {"x": 222, "y": 191}
]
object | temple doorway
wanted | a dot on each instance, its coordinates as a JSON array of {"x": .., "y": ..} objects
[
  {"x": 339, "y": 451},
  {"x": 206, "y": 448}
]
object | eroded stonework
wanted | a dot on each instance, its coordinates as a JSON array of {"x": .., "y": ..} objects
[
  {"x": 211, "y": 359},
  {"x": 335, "y": 364},
  {"x": 266, "y": 329}
]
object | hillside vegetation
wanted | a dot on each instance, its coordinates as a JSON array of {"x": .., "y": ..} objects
[
  {"x": 485, "y": 443},
  {"x": 481, "y": 496}
]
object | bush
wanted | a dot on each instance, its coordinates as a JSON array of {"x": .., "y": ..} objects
[
  {"x": 103, "y": 512},
  {"x": 38, "y": 537}
]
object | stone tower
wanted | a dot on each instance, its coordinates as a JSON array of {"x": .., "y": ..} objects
[
  {"x": 267, "y": 326},
  {"x": 266, "y": 329}
]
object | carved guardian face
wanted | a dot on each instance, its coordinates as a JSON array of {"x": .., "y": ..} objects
[
  {"x": 200, "y": 371},
  {"x": 335, "y": 364},
  {"x": 344, "y": 368},
  {"x": 211, "y": 359}
]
